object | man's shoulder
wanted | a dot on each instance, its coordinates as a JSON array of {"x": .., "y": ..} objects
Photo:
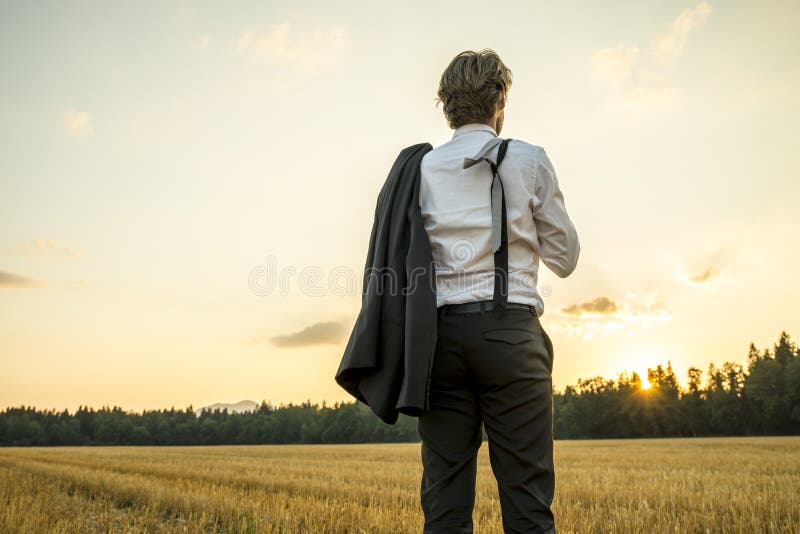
[
  {"x": 404, "y": 169},
  {"x": 525, "y": 149},
  {"x": 409, "y": 155},
  {"x": 415, "y": 149}
]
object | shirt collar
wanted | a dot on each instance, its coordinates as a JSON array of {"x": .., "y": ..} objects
[{"x": 474, "y": 126}]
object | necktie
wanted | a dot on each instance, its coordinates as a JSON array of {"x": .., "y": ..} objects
[{"x": 499, "y": 235}]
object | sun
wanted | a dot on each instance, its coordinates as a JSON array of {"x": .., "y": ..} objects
[{"x": 646, "y": 384}]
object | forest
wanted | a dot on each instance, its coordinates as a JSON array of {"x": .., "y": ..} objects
[{"x": 759, "y": 398}]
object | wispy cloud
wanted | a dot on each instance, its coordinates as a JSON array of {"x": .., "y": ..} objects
[
  {"x": 669, "y": 44},
  {"x": 77, "y": 124},
  {"x": 10, "y": 280},
  {"x": 308, "y": 49},
  {"x": 639, "y": 78},
  {"x": 704, "y": 276},
  {"x": 43, "y": 247},
  {"x": 330, "y": 332},
  {"x": 725, "y": 265},
  {"x": 604, "y": 315}
]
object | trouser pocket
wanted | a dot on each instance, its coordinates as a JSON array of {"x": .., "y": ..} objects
[
  {"x": 519, "y": 347},
  {"x": 512, "y": 336}
]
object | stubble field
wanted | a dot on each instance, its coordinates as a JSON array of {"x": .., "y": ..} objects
[{"x": 743, "y": 485}]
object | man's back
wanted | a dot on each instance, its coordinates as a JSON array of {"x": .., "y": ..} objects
[
  {"x": 456, "y": 209},
  {"x": 491, "y": 361}
]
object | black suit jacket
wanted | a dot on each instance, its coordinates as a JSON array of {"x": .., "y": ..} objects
[{"x": 388, "y": 358}]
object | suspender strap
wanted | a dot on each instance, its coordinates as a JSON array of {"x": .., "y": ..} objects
[{"x": 500, "y": 297}]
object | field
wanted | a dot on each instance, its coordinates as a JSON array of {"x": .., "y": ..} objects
[{"x": 714, "y": 485}]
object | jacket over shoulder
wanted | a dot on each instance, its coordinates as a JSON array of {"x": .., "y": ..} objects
[{"x": 388, "y": 357}]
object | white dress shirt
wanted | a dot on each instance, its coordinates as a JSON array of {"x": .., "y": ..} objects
[{"x": 456, "y": 209}]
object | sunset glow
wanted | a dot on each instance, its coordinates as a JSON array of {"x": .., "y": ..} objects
[{"x": 168, "y": 202}]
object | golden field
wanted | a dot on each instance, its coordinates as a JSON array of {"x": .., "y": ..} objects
[{"x": 745, "y": 485}]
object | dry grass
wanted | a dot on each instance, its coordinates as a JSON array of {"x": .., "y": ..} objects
[{"x": 742, "y": 485}]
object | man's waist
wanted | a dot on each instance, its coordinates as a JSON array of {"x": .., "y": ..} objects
[{"x": 482, "y": 306}]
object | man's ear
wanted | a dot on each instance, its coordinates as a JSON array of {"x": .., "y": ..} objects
[{"x": 501, "y": 102}]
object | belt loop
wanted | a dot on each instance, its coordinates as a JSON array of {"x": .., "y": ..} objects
[
  {"x": 483, "y": 307},
  {"x": 442, "y": 311}
]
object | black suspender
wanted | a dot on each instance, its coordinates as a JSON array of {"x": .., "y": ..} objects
[{"x": 500, "y": 297}]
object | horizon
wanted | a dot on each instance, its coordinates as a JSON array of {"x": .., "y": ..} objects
[
  {"x": 632, "y": 376},
  {"x": 188, "y": 191}
]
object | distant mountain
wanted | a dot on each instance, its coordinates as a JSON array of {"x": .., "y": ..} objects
[{"x": 239, "y": 407}]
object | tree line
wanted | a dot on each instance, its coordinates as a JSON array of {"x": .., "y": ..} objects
[{"x": 761, "y": 398}]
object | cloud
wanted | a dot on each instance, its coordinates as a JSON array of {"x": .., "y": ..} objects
[
  {"x": 726, "y": 265},
  {"x": 330, "y": 332},
  {"x": 77, "y": 124},
  {"x": 704, "y": 276},
  {"x": 669, "y": 44},
  {"x": 617, "y": 65},
  {"x": 11, "y": 280},
  {"x": 281, "y": 43},
  {"x": 602, "y": 315},
  {"x": 43, "y": 247},
  {"x": 639, "y": 77},
  {"x": 600, "y": 305}
]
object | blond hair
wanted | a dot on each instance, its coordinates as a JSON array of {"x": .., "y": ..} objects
[{"x": 471, "y": 86}]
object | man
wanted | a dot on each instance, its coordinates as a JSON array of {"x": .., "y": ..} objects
[{"x": 492, "y": 364}]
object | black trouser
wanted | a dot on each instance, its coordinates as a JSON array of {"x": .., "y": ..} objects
[{"x": 493, "y": 367}]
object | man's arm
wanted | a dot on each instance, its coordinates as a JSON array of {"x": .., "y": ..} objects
[{"x": 558, "y": 240}]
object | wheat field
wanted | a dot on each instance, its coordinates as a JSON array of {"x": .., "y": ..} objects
[{"x": 743, "y": 485}]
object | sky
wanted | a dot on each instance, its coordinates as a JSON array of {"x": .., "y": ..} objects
[{"x": 187, "y": 189}]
